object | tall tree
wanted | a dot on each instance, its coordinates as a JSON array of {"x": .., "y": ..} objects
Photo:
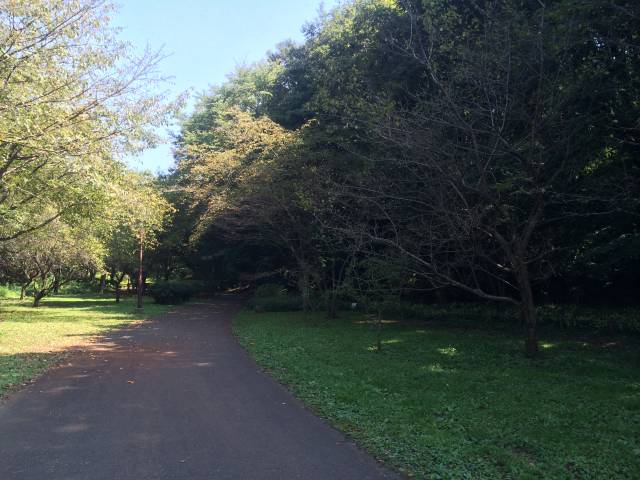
[{"x": 72, "y": 97}]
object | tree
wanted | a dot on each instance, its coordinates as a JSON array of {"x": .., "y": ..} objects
[
  {"x": 137, "y": 215},
  {"x": 52, "y": 256},
  {"x": 497, "y": 149},
  {"x": 120, "y": 257},
  {"x": 245, "y": 188},
  {"x": 72, "y": 98}
]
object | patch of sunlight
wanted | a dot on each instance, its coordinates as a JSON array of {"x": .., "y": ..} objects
[
  {"x": 375, "y": 322},
  {"x": 547, "y": 345},
  {"x": 72, "y": 428},
  {"x": 374, "y": 348},
  {"x": 434, "y": 368},
  {"x": 449, "y": 351}
]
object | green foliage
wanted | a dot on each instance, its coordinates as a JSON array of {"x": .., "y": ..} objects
[
  {"x": 71, "y": 89},
  {"x": 269, "y": 290},
  {"x": 451, "y": 403},
  {"x": 277, "y": 303},
  {"x": 9, "y": 291},
  {"x": 567, "y": 317},
  {"x": 77, "y": 287},
  {"x": 172, "y": 292},
  {"x": 600, "y": 318}
]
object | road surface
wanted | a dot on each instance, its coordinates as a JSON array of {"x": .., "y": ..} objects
[{"x": 173, "y": 398}]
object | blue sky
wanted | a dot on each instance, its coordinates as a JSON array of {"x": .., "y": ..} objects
[{"x": 206, "y": 39}]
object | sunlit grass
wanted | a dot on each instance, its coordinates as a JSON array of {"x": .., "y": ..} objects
[
  {"x": 439, "y": 402},
  {"x": 33, "y": 339}
]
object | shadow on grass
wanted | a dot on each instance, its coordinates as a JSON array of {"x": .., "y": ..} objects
[
  {"x": 93, "y": 301},
  {"x": 18, "y": 369},
  {"x": 72, "y": 309}
]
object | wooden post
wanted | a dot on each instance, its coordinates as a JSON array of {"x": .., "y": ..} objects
[{"x": 140, "y": 277}]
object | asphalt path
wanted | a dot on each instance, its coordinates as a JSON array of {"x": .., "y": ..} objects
[{"x": 175, "y": 397}]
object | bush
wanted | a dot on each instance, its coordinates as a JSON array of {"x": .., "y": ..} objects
[
  {"x": 578, "y": 317},
  {"x": 78, "y": 287},
  {"x": 571, "y": 317},
  {"x": 270, "y": 290},
  {"x": 172, "y": 292},
  {"x": 278, "y": 303},
  {"x": 7, "y": 291}
]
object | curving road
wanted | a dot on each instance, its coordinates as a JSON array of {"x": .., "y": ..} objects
[{"x": 173, "y": 398}]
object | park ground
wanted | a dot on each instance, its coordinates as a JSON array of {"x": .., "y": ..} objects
[
  {"x": 435, "y": 402},
  {"x": 35, "y": 339},
  {"x": 442, "y": 402}
]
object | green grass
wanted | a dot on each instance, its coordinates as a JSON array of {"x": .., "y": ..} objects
[
  {"x": 440, "y": 402},
  {"x": 34, "y": 339}
]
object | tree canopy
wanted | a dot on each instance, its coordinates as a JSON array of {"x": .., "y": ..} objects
[{"x": 475, "y": 149}]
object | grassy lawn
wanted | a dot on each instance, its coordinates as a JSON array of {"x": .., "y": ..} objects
[
  {"x": 34, "y": 339},
  {"x": 440, "y": 402}
]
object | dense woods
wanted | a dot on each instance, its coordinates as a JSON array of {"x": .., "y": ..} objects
[{"x": 428, "y": 151}]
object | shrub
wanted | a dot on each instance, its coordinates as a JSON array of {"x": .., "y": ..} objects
[
  {"x": 6, "y": 291},
  {"x": 172, "y": 292},
  {"x": 270, "y": 290},
  {"x": 78, "y": 287},
  {"x": 278, "y": 303},
  {"x": 572, "y": 317},
  {"x": 578, "y": 317}
]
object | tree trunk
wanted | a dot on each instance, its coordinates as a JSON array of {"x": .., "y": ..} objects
[
  {"x": 379, "y": 331},
  {"x": 141, "y": 277},
  {"x": 441, "y": 296},
  {"x": 23, "y": 289},
  {"x": 103, "y": 282},
  {"x": 118, "y": 292},
  {"x": 56, "y": 284},
  {"x": 37, "y": 297},
  {"x": 332, "y": 301},
  {"x": 332, "y": 305},
  {"x": 528, "y": 312},
  {"x": 167, "y": 272},
  {"x": 304, "y": 287}
]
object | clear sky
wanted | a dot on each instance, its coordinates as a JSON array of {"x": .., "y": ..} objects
[{"x": 206, "y": 39}]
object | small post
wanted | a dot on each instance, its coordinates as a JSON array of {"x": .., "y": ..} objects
[{"x": 140, "y": 274}]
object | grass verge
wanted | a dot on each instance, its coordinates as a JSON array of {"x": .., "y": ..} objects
[
  {"x": 451, "y": 403},
  {"x": 34, "y": 339}
]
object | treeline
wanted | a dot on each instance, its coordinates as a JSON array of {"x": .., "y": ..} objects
[
  {"x": 74, "y": 99},
  {"x": 432, "y": 150}
]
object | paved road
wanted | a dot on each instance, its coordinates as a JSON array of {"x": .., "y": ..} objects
[{"x": 174, "y": 398}]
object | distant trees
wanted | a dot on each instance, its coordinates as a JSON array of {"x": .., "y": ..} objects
[
  {"x": 138, "y": 214},
  {"x": 50, "y": 257},
  {"x": 58, "y": 252}
]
